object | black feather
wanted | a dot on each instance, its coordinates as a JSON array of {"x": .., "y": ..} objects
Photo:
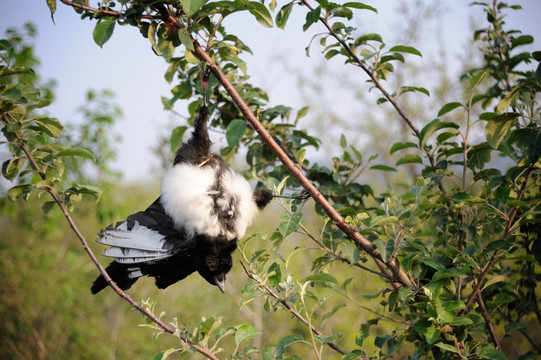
[{"x": 150, "y": 242}]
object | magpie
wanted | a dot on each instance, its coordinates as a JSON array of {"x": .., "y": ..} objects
[{"x": 203, "y": 209}]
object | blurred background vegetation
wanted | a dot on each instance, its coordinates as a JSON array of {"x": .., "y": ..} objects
[{"x": 46, "y": 309}]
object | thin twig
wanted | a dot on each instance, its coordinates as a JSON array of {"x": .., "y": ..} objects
[
  {"x": 290, "y": 309},
  {"x": 94, "y": 259},
  {"x": 488, "y": 321},
  {"x": 378, "y": 85},
  {"x": 506, "y": 233}
]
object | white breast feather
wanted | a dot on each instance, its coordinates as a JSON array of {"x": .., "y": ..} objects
[
  {"x": 185, "y": 198},
  {"x": 236, "y": 185}
]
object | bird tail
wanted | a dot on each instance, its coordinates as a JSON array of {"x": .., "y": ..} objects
[{"x": 119, "y": 273}]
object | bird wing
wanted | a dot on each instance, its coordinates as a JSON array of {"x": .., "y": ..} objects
[{"x": 146, "y": 236}]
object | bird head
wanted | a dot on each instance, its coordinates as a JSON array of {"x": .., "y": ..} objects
[{"x": 215, "y": 259}]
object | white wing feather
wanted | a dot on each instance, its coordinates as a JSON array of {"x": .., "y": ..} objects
[{"x": 137, "y": 245}]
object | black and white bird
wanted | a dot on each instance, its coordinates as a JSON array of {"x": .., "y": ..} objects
[{"x": 193, "y": 226}]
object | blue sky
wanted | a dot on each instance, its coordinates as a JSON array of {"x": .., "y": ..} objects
[{"x": 127, "y": 65}]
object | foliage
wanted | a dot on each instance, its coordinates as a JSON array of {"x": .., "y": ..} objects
[{"x": 457, "y": 252}]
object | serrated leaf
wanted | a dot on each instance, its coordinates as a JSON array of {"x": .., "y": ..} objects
[
  {"x": 409, "y": 159},
  {"x": 185, "y": 39},
  {"x": 234, "y": 132},
  {"x": 448, "y": 107},
  {"x": 191, "y": 7},
  {"x": 79, "y": 152},
  {"x": 261, "y": 13},
  {"x": 406, "y": 49},
  {"x": 103, "y": 31},
  {"x": 289, "y": 223},
  {"x": 245, "y": 332}
]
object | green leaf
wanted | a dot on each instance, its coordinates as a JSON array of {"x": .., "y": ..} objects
[
  {"x": 498, "y": 127},
  {"x": 478, "y": 77},
  {"x": 192, "y": 6},
  {"x": 12, "y": 167},
  {"x": 361, "y": 6},
  {"x": 167, "y": 49},
  {"x": 164, "y": 354},
  {"x": 261, "y": 13},
  {"x": 151, "y": 35},
  {"x": 368, "y": 37},
  {"x": 322, "y": 278},
  {"x": 448, "y": 107},
  {"x": 176, "y": 137},
  {"x": 289, "y": 223},
  {"x": 240, "y": 63},
  {"x": 288, "y": 340},
  {"x": 185, "y": 39},
  {"x": 234, "y": 132},
  {"x": 52, "y": 8},
  {"x": 406, "y": 49},
  {"x": 432, "y": 127},
  {"x": 343, "y": 141},
  {"x": 447, "y": 347},
  {"x": 488, "y": 352},
  {"x": 19, "y": 191},
  {"x": 382, "y": 167},
  {"x": 399, "y": 146},
  {"x": 311, "y": 17},
  {"x": 405, "y": 89},
  {"x": 245, "y": 332},
  {"x": 283, "y": 15},
  {"x": 80, "y": 152},
  {"x": 103, "y": 31},
  {"x": 191, "y": 57},
  {"x": 504, "y": 103},
  {"x": 409, "y": 159},
  {"x": 50, "y": 126},
  {"x": 521, "y": 40}
]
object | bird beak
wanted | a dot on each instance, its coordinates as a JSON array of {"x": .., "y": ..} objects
[{"x": 220, "y": 284}]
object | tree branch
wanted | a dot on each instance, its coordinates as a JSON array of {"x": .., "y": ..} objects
[
  {"x": 112, "y": 284},
  {"x": 290, "y": 309},
  {"x": 506, "y": 233}
]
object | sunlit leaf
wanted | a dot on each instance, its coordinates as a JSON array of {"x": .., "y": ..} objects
[
  {"x": 261, "y": 13},
  {"x": 234, "y": 132},
  {"x": 103, "y": 31},
  {"x": 405, "y": 49},
  {"x": 245, "y": 332}
]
